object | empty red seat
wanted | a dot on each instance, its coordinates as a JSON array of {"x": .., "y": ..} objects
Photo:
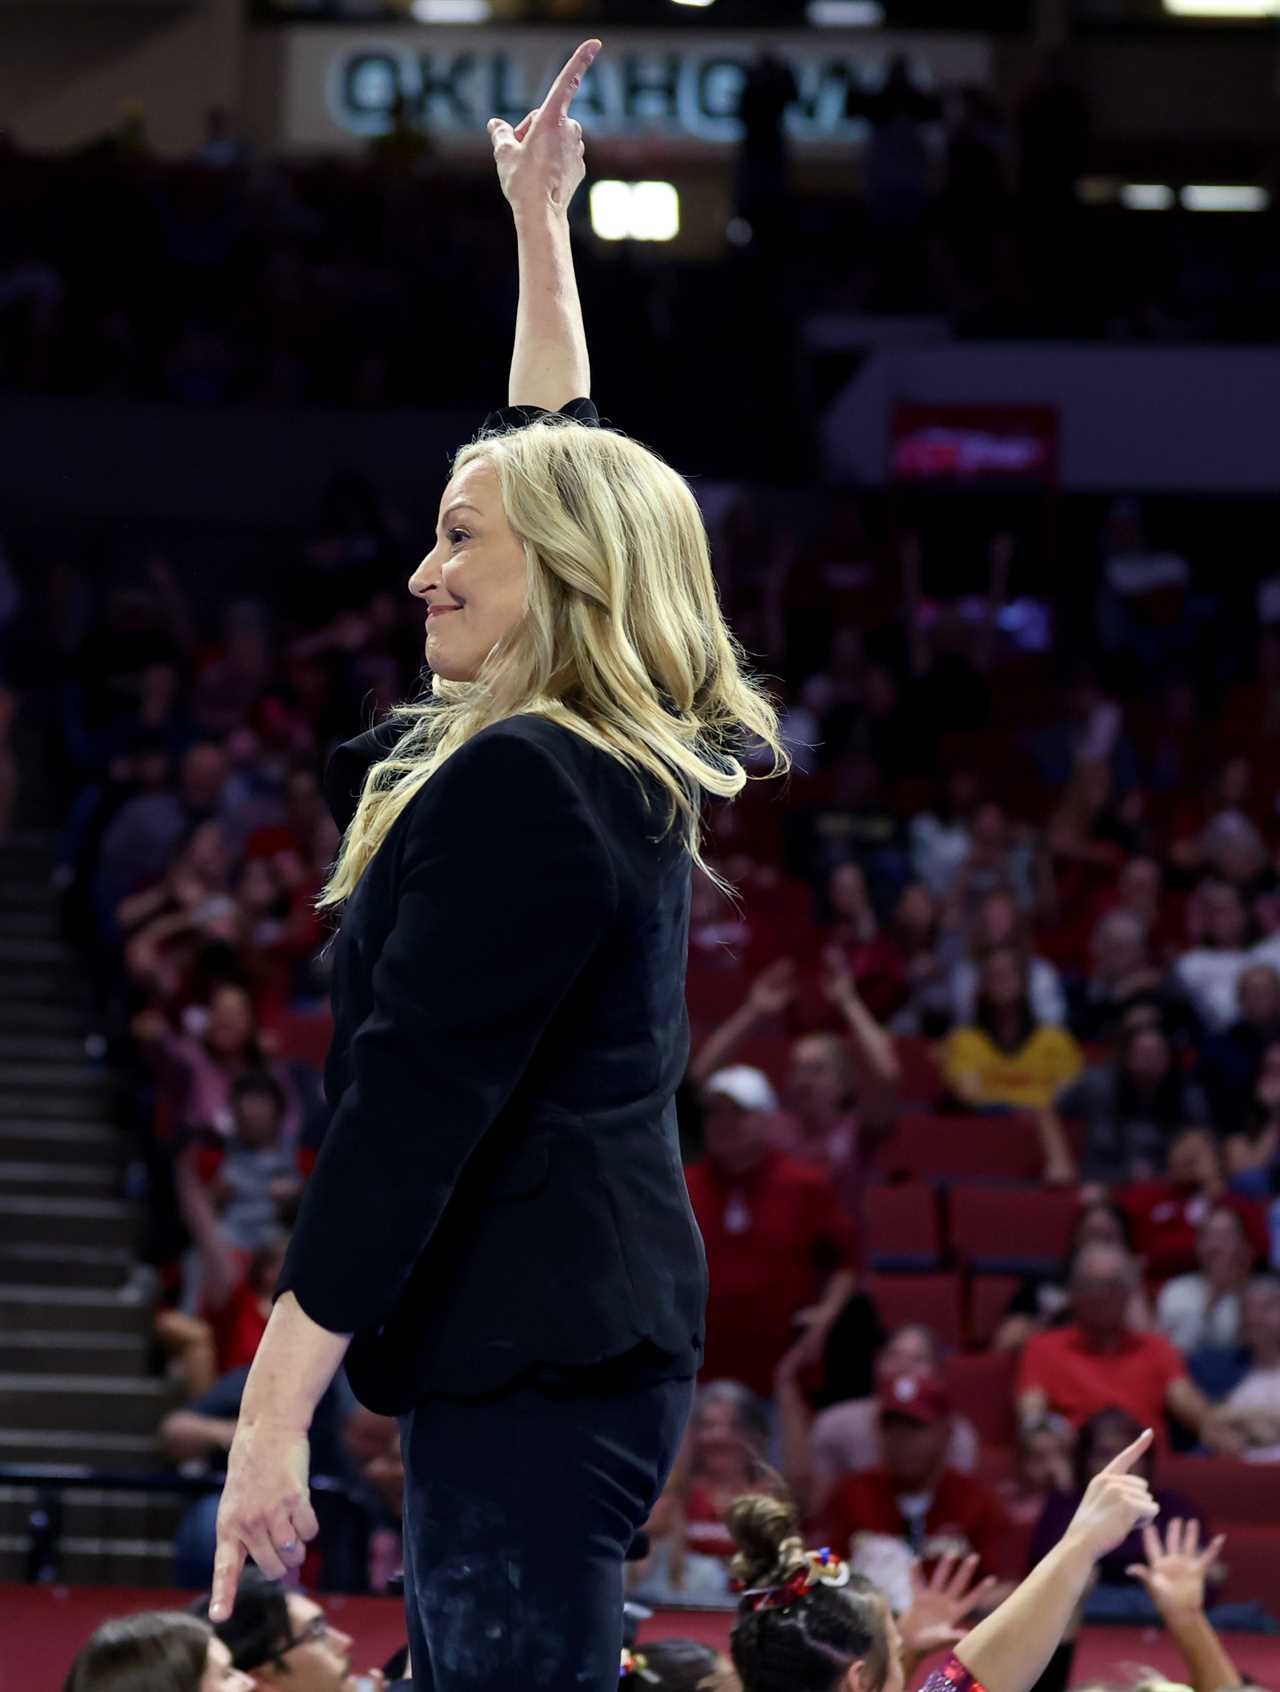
[
  {"x": 1227, "y": 1491},
  {"x": 936, "y": 1301},
  {"x": 770, "y": 1052},
  {"x": 1252, "y": 1557},
  {"x": 989, "y": 1299},
  {"x": 982, "y": 1388},
  {"x": 964, "y": 1148},
  {"x": 921, "y": 1077},
  {"x": 1012, "y": 1227},
  {"x": 903, "y": 1229},
  {"x": 304, "y": 1035}
]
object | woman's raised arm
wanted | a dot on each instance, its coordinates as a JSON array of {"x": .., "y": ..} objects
[
  {"x": 1009, "y": 1650},
  {"x": 540, "y": 167}
]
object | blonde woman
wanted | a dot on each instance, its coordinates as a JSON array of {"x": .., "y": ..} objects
[{"x": 497, "y": 1235}]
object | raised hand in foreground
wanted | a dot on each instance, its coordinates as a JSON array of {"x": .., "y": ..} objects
[
  {"x": 939, "y": 1605},
  {"x": 541, "y": 162},
  {"x": 1175, "y": 1571},
  {"x": 1174, "y": 1574},
  {"x": 1116, "y": 1502}
]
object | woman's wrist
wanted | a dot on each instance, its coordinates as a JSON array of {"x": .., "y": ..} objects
[
  {"x": 540, "y": 217},
  {"x": 1076, "y": 1555}
]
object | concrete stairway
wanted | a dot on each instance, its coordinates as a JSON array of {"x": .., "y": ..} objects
[{"x": 75, "y": 1386}]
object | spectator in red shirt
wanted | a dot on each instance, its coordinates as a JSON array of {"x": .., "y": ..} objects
[
  {"x": 779, "y": 1246},
  {"x": 1167, "y": 1214},
  {"x": 914, "y": 1495},
  {"x": 1097, "y": 1362}
]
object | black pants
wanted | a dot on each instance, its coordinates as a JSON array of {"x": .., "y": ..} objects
[{"x": 519, "y": 1509}]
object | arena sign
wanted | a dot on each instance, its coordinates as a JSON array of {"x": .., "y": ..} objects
[{"x": 454, "y": 80}]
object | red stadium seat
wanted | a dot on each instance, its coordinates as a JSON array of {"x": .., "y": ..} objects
[
  {"x": 982, "y": 1388},
  {"x": 1225, "y": 1490},
  {"x": 1252, "y": 1559},
  {"x": 903, "y": 1229},
  {"x": 1005, "y": 1228},
  {"x": 937, "y": 1301},
  {"x": 989, "y": 1299},
  {"x": 304, "y": 1035},
  {"x": 921, "y": 1077},
  {"x": 964, "y": 1148},
  {"x": 770, "y": 1052}
]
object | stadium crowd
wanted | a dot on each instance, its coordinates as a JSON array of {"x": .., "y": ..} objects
[
  {"x": 234, "y": 277},
  {"x": 982, "y": 1114}
]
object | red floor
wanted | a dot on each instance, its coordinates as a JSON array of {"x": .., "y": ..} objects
[{"x": 42, "y": 1627}]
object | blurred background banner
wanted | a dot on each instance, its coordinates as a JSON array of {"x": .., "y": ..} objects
[{"x": 682, "y": 93}]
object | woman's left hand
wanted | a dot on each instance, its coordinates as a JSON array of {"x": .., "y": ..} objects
[
  {"x": 540, "y": 161},
  {"x": 265, "y": 1511},
  {"x": 940, "y": 1604}
]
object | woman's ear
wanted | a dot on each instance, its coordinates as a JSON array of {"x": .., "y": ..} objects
[{"x": 855, "y": 1680}]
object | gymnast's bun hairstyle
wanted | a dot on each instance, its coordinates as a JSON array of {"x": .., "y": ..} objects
[{"x": 808, "y": 1641}]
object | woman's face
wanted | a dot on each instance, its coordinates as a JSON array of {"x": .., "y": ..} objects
[
  {"x": 1043, "y": 1459},
  {"x": 1099, "y": 1226},
  {"x": 219, "y": 1676},
  {"x": 1221, "y": 1246},
  {"x": 231, "y": 1023},
  {"x": 909, "y": 1351},
  {"x": 997, "y": 920},
  {"x": 475, "y": 578},
  {"x": 1148, "y": 1060},
  {"x": 719, "y": 1435},
  {"x": 206, "y": 854},
  {"x": 848, "y": 891},
  {"x": 916, "y": 911},
  {"x": 1002, "y": 983}
]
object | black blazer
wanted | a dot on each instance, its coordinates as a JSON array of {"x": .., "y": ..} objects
[{"x": 500, "y": 1190}]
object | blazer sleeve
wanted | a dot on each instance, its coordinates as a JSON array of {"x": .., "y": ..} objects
[
  {"x": 505, "y": 889},
  {"x": 516, "y": 416}
]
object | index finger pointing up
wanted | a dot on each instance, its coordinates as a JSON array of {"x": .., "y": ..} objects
[
  {"x": 1129, "y": 1456},
  {"x": 566, "y": 85}
]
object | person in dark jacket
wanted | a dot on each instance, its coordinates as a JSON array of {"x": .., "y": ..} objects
[{"x": 497, "y": 1236}]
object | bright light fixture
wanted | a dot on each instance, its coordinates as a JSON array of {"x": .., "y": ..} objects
[
  {"x": 1146, "y": 196},
  {"x": 1222, "y": 8},
  {"x": 655, "y": 211},
  {"x": 611, "y": 210},
  {"x": 451, "y": 11},
  {"x": 845, "y": 14},
  {"x": 635, "y": 211},
  {"x": 1225, "y": 196},
  {"x": 694, "y": 2}
]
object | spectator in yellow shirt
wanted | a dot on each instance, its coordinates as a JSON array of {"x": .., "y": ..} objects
[{"x": 1006, "y": 1058}]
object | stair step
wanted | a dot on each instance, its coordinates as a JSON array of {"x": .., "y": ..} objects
[
  {"x": 61, "y": 1180},
  {"x": 16, "y": 951},
  {"x": 84, "y": 1403},
  {"x": 39, "y": 1046},
  {"x": 36, "y": 1263},
  {"x": 56, "y": 1018},
  {"x": 134, "y": 1453},
  {"x": 45, "y": 1139},
  {"x": 51, "y": 983},
  {"x": 27, "y": 840},
  {"x": 46, "y": 1103},
  {"x": 21, "y": 920},
  {"x": 91, "y": 1222},
  {"x": 27, "y": 1308},
  {"x": 41, "y": 1352},
  {"x": 96, "y": 1562},
  {"x": 55, "y": 1076}
]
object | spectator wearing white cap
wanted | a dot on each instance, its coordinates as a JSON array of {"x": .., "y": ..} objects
[{"x": 779, "y": 1247}]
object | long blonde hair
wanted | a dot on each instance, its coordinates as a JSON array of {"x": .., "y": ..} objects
[{"x": 623, "y": 641}]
